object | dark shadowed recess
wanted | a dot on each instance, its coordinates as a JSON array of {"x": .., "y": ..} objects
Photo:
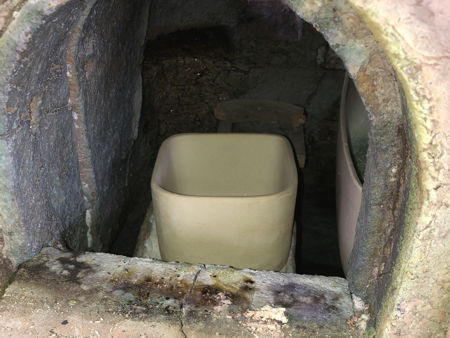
[{"x": 187, "y": 73}]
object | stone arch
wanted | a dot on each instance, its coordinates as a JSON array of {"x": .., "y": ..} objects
[
  {"x": 400, "y": 261},
  {"x": 397, "y": 56},
  {"x": 388, "y": 159}
]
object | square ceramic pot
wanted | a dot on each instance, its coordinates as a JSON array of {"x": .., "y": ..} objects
[{"x": 225, "y": 199}]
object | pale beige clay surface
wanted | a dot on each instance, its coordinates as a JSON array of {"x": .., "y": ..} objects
[
  {"x": 225, "y": 199},
  {"x": 147, "y": 245}
]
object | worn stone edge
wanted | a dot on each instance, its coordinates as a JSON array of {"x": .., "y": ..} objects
[
  {"x": 367, "y": 64},
  {"x": 187, "y": 314},
  {"x": 428, "y": 262}
]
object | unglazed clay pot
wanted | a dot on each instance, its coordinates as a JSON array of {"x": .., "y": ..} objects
[
  {"x": 351, "y": 152},
  {"x": 225, "y": 199}
]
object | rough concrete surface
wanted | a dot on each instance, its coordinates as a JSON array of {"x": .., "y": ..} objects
[{"x": 66, "y": 294}]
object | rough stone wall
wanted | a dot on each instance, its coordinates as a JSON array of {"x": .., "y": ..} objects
[
  {"x": 400, "y": 263},
  {"x": 69, "y": 108},
  {"x": 167, "y": 16},
  {"x": 108, "y": 62},
  {"x": 414, "y": 36},
  {"x": 39, "y": 164},
  {"x": 386, "y": 175}
]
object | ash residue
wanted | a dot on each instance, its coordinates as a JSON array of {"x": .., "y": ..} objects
[{"x": 307, "y": 304}]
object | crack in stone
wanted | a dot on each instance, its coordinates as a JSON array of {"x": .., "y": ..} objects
[
  {"x": 194, "y": 281},
  {"x": 314, "y": 92},
  {"x": 10, "y": 280},
  {"x": 180, "y": 319},
  {"x": 87, "y": 174},
  {"x": 180, "y": 313}
]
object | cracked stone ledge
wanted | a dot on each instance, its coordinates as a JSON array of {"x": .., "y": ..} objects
[{"x": 98, "y": 294}]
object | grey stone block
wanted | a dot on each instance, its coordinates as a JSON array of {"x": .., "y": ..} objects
[
  {"x": 70, "y": 99},
  {"x": 116, "y": 295}
]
